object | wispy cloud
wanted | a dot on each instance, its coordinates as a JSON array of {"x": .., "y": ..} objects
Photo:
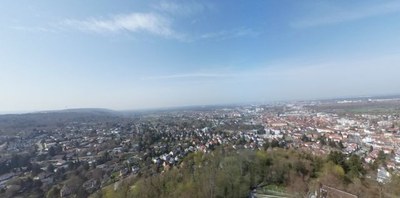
[
  {"x": 191, "y": 76},
  {"x": 135, "y": 22},
  {"x": 227, "y": 73},
  {"x": 159, "y": 21},
  {"x": 230, "y": 34},
  {"x": 164, "y": 19},
  {"x": 346, "y": 15}
]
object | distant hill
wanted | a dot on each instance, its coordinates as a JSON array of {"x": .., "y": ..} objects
[{"x": 12, "y": 123}]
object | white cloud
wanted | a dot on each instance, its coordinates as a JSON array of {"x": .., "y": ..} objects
[
  {"x": 161, "y": 20},
  {"x": 191, "y": 76},
  {"x": 135, "y": 22},
  {"x": 157, "y": 22},
  {"x": 341, "y": 15},
  {"x": 230, "y": 34}
]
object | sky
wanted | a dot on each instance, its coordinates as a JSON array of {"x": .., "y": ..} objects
[{"x": 148, "y": 54}]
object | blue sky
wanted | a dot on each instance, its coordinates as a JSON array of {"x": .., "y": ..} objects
[{"x": 148, "y": 54}]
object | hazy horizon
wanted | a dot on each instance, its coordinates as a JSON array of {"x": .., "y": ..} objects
[
  {"x": 160, "y": 54},
  {"x": 203, "y": 105}
]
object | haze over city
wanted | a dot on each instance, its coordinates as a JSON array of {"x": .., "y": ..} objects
[{"x": 150, "y": 54}]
